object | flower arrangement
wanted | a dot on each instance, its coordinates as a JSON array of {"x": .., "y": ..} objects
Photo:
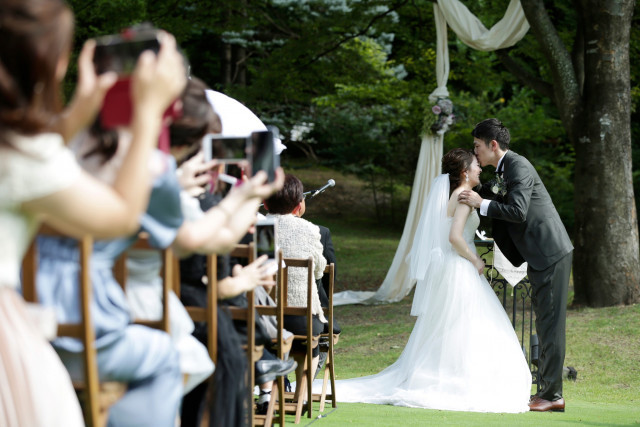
[
  {"x": 441, "y": 116},
  {"x": 499, "y": 186}
]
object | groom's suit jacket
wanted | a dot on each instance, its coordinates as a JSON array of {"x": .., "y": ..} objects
[{"x": 526, "y": 225}]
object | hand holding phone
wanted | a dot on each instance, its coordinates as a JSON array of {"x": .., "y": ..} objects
[{"x": 153, "y": 80}]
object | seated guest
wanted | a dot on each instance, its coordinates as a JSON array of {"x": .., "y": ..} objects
[
  {"x": 40, "y": 179},
  {"x": 329, "y": 254},
  {"x": 144, "y": 358},
  {"x": 230, "y": 394},
  {"x": 323, "y": 285},
  {"x": 212, "y": 232},
  {"x": 298, "y": 238}
]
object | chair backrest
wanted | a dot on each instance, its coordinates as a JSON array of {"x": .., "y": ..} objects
[
  {"x": 328, "y": 311},
  {"x": 167, "y": 274},
  {"x": 310, "y": 341},
  {"x": 247, "y": 314},
  {"x": 208, "y": 313},
  {"x": 84, "y": 330},
  {"x": 284, "y": 282}
]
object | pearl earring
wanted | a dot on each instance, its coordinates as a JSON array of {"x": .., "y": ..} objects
[{"x": 466, "y": 177}]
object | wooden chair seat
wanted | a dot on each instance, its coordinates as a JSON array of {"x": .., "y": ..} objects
[{"x": 110, "y": 391}]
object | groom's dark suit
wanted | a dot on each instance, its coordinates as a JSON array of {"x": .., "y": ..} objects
[{"x": 527, "y": 227}]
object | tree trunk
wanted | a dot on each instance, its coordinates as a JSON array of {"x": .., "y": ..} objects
[{"x": 606, "y": 268}]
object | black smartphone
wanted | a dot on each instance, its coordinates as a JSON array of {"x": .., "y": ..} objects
[
  {"x": 265, "y": 239},
  {"x": 263, "y": 154},
  {"x": 225, "y": 149},
  {"x": 120, "y": 52}
]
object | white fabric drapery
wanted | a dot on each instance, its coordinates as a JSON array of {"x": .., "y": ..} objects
[{"x": 506, "y": 32}]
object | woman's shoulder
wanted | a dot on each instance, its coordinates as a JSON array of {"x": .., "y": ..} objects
[
  {"x": 35, "y": 166},
  {"x": 293, "y": 222},
  {"x": 308, "y": 225}
]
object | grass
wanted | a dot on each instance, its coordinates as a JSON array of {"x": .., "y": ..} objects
[{"x": 603, "y": 345}]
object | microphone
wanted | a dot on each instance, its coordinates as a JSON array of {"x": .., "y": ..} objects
[{"x": 329, "y": 183}]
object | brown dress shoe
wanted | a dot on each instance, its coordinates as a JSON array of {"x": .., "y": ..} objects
[{"x": 542, "y": 405}]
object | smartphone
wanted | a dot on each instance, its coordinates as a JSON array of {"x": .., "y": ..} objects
[
  {"x": 265, "y": 242},
  {"x": 225, "y": 149},
  {"x": 263, "y": 154},
  {"x": 120, "y": 52}
]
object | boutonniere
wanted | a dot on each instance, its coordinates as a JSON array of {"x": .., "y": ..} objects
[{"x": 499, "y": 186}]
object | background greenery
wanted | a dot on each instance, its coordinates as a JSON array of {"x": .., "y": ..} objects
[{"x": 347, "y": 81}]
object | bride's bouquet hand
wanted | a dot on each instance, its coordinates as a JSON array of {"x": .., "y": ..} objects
[{"x": 479, "y": 265}]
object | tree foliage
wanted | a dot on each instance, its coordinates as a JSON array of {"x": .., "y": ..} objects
[{"x": 347, "y": 82}]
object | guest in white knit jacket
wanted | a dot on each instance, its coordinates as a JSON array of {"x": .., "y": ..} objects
[{"x": 298, "y": 238}]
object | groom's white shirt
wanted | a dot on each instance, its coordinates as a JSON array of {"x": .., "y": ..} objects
[{"x": 484, "y": 205}]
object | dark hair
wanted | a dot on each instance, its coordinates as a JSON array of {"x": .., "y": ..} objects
[
  {"x": 198, "y": 117},
  {"x": 286, "y": 200},
  {"x": 454, "y": 163},
  {"x": 35, "y": 34},
  {"x": 106, "y": 141},
  {"x": 490, "y": 129}
]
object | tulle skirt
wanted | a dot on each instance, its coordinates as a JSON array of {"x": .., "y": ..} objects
[
  {"x": 462, "y": 355},
  {"x": 35, "y": 388}
]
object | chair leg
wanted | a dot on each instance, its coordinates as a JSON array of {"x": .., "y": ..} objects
[
  {"x": 325, "y": 380},
  {"x": 268, "y": 421},
  {"x": 332, "y": 373},
  {"x": 301, "y": 382},
  {"x": 309, "y": 383},
  {"x": 281, "y": 402}
]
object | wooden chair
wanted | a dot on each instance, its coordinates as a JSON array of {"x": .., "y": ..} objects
[
  {"x": 96, "y": 397},
  {"x": 327, "y": 342},
  {"x": 254, "y": 353},
  {"x": 281, "y": 345},
  {"x": 304, "y": 374},
  {"x": 207, "y": 314},
  {"x": 167, "y": 274}
]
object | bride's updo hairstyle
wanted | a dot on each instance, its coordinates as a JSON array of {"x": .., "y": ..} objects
[{"x": 454, "y": 163}]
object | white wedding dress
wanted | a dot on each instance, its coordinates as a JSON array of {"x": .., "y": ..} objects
[{"x": 463, "y": 353}]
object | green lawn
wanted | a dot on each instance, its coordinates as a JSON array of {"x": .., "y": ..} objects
[{"x": 603, "y": 345}]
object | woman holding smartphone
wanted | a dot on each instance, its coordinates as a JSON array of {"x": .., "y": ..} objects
[{"x": 40, "y": 180}]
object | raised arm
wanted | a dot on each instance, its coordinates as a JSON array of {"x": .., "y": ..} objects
[
  {"x": 245, "y": 279},
  {"x": 225, "y": 224},
  {"x": 89, "y": 206}
]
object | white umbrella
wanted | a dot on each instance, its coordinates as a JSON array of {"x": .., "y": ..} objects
[{"x": 237, "y": 120}]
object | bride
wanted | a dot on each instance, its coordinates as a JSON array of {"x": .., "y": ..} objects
[{"x": 463, "y": 354}]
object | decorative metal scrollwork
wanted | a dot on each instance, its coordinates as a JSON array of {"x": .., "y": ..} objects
[{"x": 516, "y": 301}]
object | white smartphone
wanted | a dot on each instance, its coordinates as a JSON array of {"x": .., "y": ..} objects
[{"x": 226, "y": 149}]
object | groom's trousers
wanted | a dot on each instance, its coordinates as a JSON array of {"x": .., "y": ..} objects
[{"x": 549, "y": 298}]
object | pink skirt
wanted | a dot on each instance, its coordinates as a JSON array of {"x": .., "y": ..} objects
[{"x": 35, "y": 388}]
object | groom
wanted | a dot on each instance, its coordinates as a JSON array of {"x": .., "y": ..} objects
[{"x": 527, "y": 227}]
